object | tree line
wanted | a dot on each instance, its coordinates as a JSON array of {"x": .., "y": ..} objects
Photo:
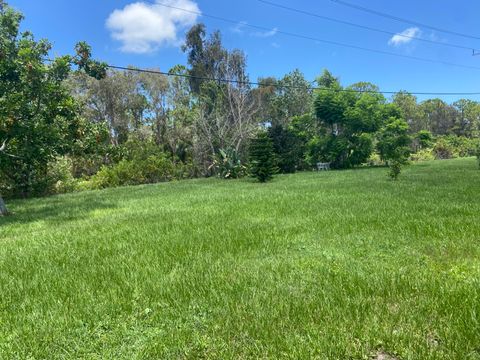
[{"x": 72, "y": 123}]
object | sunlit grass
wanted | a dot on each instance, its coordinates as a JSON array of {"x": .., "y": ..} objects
[{"x": 332, "y": 265}]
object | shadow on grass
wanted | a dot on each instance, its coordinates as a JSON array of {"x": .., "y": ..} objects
[{"x": 56, "y": 209}]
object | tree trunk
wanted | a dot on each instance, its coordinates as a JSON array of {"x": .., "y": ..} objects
[{"x": 3, "y": 208}]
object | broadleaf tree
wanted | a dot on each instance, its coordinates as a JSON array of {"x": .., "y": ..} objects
[{"x": 38, "y": 116}]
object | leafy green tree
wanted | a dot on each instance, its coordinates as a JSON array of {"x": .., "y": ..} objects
[
  {"x": 38, "y": 116},
  {"x": 394, "y": 145},
  {"x": 262, "y": 158},
  {"x": 407, "y": 103},
  {"x": 327, "y": 80},
  {"x": 467, "y": 121},
  {"x": 283, "y": 99},
  {"x": 115, "y": 99},
  {"x": 425, "y": 139},
  {"x": 294, "y": 97},
  {"x": 348, "y": 118},
  {"x": 287, "y": 147},
  {"x": 437, "y": 116},
  {"x": 205, "y": 56}
]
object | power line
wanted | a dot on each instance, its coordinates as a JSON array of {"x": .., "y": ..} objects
[
  {"x": 304, "y": 12},
  {"x": 407, "y": 21},
  {"x": 336, "y": 43},
  {"x": 276, "y": 85},
  {"x": 259, "y": 84}
]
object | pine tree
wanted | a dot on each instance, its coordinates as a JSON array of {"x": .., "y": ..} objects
[{"x": 262, "y": 158}]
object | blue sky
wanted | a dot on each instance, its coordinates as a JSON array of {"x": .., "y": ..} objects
[{"x": 124, "y": 32}]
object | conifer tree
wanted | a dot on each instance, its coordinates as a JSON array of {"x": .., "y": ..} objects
[{"x": 262, "y": 158}]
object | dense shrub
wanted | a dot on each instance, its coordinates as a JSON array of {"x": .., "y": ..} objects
[
  {"x": 374, "y": 160},
  {"x": 60, "y": 177},
  {"x": 425, "y": 139},
  {"x": 423, "y": 155},
  {"x": 443, "y": 149},
  {"x": 151, "y": 170},
  {"x": 447, "y": 147}
]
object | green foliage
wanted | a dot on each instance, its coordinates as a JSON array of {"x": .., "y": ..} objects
[
  {"x": 348, "y": 121},
  {"x": 423, "y": 155},
  {"x": 443, "y": 149},
  {"x": 228, "y": 165},
  {"x": 393, "y": 145},
  {"x": 150, "y": 170},
  {"x": 262, "y": 158},
  {"x": 288, "y": 148},
  {"x": 395, "y": 167},
  {"x": 329, "y": 107},
  {"x": 38, "y": 116},
  {"x": 393, "y": 141},
  {"x": 59, "y": 176},
  {"x": 425, "y": 139},
  {"x": 461, "y": 146},
  {"x": 139, "y": 162}
]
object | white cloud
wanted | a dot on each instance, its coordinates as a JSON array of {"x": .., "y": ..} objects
[
  {"x": 240, "y": 27},
  {"x": 405, "y": 36},
  {"x": 266, "y": 34},
  {"x": 143, "y": 27}
]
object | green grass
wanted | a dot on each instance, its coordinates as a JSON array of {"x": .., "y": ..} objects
[{"x": 337, "y": 265}]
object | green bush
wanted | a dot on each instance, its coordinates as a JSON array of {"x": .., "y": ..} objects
[
  {"x": 443, "y": 149},
  {"x": 395, "y": 169},
  {"x": 423, "y": 155},
  {"x": 375, "y": 160},
  {"x": 151, "y": 170},
  {"x": 425, "y": 139},
  {"x": 60, "y": 177},
  {"x": 448, "y": 147}
]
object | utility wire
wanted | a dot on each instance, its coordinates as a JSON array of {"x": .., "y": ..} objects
[
  {"x": 304, "y": 12},
  {"x": 276, "y": 85},
  {"x": 259, "y": 84},
  {"x": 336, "y": 43},
  {"x": 407, "y": 21}
]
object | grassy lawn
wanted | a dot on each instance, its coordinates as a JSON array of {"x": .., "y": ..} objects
[{"x": 337, "y": 265}]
